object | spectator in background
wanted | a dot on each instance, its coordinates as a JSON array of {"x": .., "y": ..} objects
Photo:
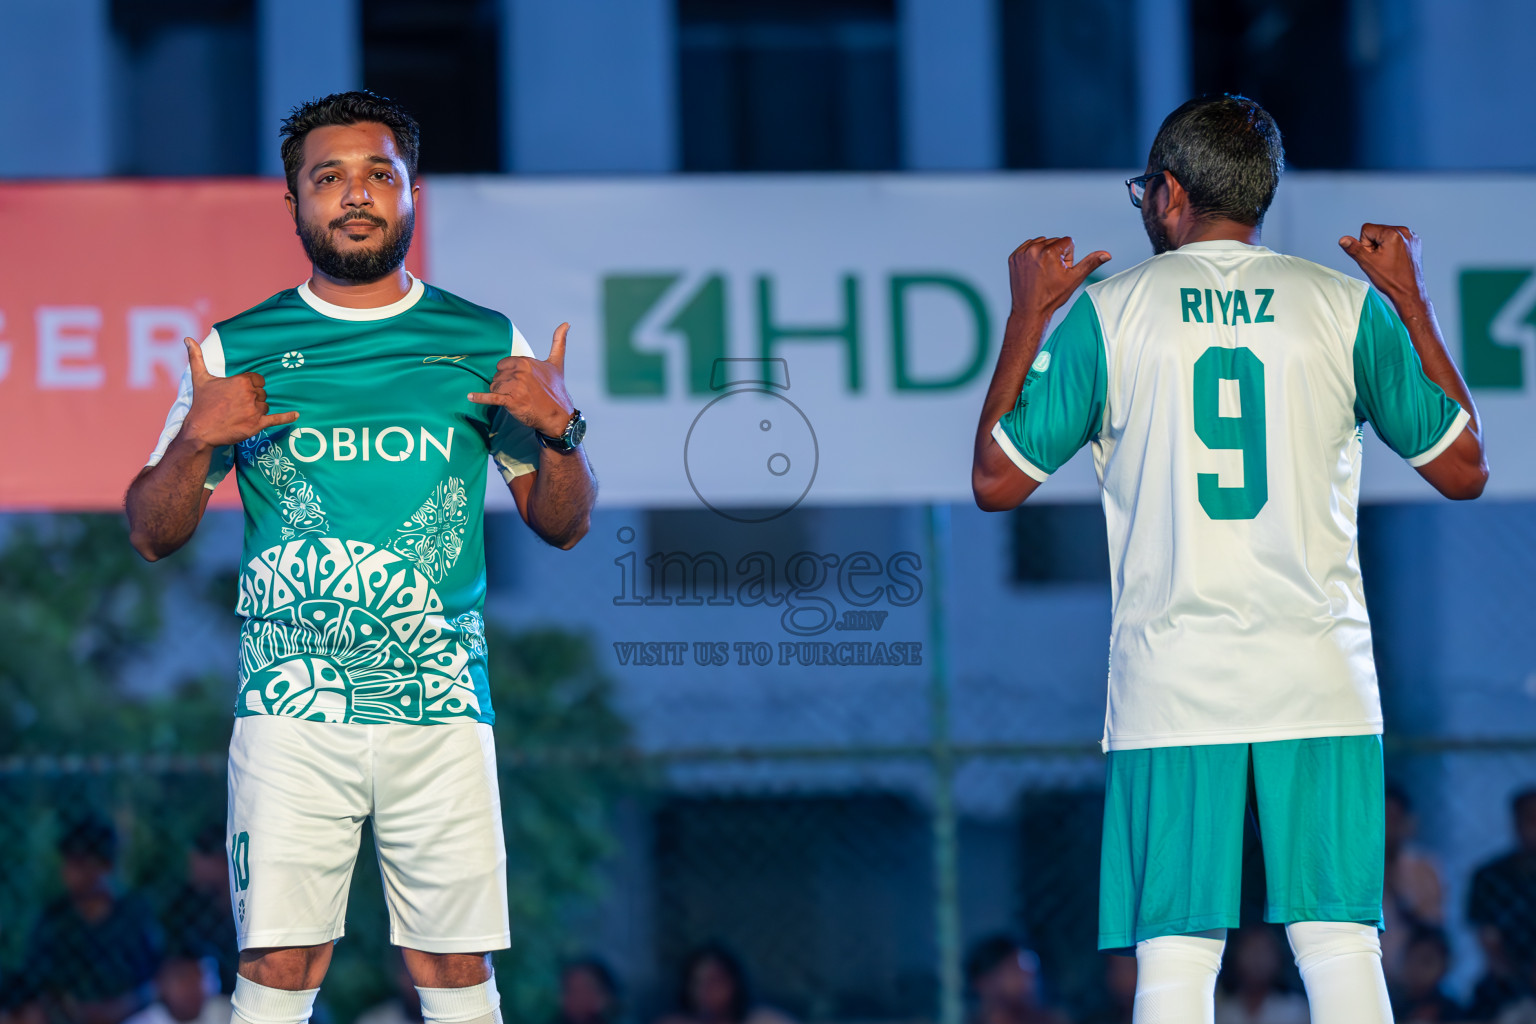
[
  {"x": 93, "y": 952},
  {"x": 1412, "y": 897},
  {"x": 187, "y": 990},
  {"x": 1119, "y": 992},
  {"x": 714, "y": 989},
  {"x": 405, "y": 1008},
  {"x": 1251, "y": 990},
  {"x": 1501, "y": 906},
  {"x": 589, "y": 992},
  {"x": 199, "y": 914},
  {"x": 1002, "y": 978},
  {"x": 1419, "y": 993}
]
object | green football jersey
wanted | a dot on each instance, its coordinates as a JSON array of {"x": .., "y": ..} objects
[{"x": 363, "y": 574}]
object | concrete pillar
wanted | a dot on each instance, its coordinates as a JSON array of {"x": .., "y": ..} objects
[
  {"x": 56, "y": 70},
  {"x": 951, "y": 89},
  {"x": 589, "y": 86},
  {"x": 1163, "y": 76},
  {"x": 306, "y": 49}
]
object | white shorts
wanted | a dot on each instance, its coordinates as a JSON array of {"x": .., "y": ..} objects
[{"x": 298, "y": 794}]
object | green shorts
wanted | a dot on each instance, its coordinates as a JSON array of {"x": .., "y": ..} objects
[{"x": 1173, "y": 835}]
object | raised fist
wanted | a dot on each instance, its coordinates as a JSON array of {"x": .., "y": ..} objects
[{"x": 1389, "y": 255}]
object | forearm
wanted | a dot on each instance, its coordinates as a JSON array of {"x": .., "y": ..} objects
[
  {"x": 165, "y": 502},
  {"x": 1021, "y": 343},
  {"x": 995, "y": 482},
  {"x": 564, "y": 492},
  {"x": 1418, "y": 315}
]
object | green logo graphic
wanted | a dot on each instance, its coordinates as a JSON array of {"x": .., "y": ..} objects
[
  {"x": 240, "y": 859},
  {"x": 701, "y": 319},
  {"x": 1498, "y": 321}
]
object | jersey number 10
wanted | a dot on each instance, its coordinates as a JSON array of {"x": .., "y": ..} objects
[{"x": 1240, "y": 428}]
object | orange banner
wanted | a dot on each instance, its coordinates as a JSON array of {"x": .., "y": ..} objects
[{"x": 99, "y": 282}]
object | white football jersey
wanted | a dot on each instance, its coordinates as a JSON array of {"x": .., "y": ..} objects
[{"x": 1223, "y": 387}]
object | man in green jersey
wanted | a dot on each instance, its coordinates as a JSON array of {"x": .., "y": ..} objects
[
  {"x": 1223, "y": 387},
  {"x": 363, "y": 690}
]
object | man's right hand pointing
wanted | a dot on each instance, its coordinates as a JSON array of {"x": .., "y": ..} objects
[{"x": 226, "y": 410}]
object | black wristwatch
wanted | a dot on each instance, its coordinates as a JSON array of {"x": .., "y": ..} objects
[{"x": 570, "y": 438}]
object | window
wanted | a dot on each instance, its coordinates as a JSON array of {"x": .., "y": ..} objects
[
  {"x": 187, "y": 98},
  {"x": 787, "y": 85},
  {"x": 1069, "y": 84},
  {"x": 440, "y": 59},
  {"x": 1292, "y": 57}
]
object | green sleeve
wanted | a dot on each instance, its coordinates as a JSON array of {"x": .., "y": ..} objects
[
  {"x": 1062, "y": 403},
  {"x": 1409, "y": 411},
  {"x": 219, "y": 465}
]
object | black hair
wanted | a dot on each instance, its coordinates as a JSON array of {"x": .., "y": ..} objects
[
  {"x": 89, "y": 835},
  {"x": 345, "y": 108},
  {"x": 1521, "y": 798},
  {"x": 721, "y": 955},
  {"x": 1225, "y": 150},
  {"x": 1396, "y": 793}
]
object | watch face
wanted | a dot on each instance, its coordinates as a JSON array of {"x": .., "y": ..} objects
[{"x": 576, "y": 431}]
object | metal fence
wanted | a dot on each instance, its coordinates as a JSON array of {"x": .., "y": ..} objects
[{"x": 848, "y": 881}]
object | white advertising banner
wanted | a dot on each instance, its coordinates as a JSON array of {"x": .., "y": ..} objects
[{"x": 755, "y": 342}]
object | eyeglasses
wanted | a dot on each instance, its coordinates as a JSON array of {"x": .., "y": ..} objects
[{"x": 1137, "y": 187}]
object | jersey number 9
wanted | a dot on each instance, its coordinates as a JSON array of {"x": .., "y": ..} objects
[{"x": 1227, "y": 425}]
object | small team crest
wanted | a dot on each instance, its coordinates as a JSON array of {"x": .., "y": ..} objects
[
  {"x": 1042, "y": 362},
  {"x": 293, "y": 360}
]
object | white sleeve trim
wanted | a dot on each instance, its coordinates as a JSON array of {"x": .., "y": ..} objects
[
  {"x": 1457, "y": 426},
  {"x": 1015, "y": 456},
  {"x": 213, "y": 358},
  {"x": 520, "y": 346}
]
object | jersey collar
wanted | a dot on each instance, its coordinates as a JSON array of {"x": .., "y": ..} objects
[
  {"x": 1220, "y": 245},
  {"x": 410, "y": 298}
]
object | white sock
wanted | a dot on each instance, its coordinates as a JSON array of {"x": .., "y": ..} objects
[
  {"x": 258, "y": 1004},
  {"x": 1340, "y": 963},
  {"x": 477, "y": 1004},
  {"x": 1176, "y": 978}
]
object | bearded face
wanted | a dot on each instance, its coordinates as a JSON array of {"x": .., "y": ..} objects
[
  {"x": 1152, "y": 206},
  {"x": 357, "y": 263}
]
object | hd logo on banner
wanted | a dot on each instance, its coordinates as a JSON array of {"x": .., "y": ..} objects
[
  {"x": 881, "y": 301},
  {"x": 771, "y": 437},
  {"x": 1498, "y": 327}
]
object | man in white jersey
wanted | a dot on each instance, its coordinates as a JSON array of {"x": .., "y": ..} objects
[
  {"x": 1223, "y": 387},
  {"x": 363, "y": 683}
]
